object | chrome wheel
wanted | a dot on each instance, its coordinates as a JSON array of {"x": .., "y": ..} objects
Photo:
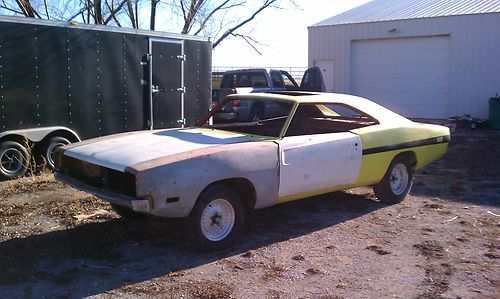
[
  {"x": 11, "y": 161},
  {"x": 217, "y": 220},
  {"x": 50, "y": 147},
  {"x": 51, "y": 150},
  {"x": 399, "y": 179}
]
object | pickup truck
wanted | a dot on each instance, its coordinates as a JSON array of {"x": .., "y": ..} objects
[{"x": 245, "y": 81}]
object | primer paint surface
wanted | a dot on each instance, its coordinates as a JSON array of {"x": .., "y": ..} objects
[{"x": 118, "y": 153}]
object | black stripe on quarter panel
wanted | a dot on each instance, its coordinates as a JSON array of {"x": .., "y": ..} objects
[{"x": 393, "y": 147}]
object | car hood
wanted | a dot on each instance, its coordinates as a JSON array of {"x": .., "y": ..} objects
[{"x": 123, "y": 150}]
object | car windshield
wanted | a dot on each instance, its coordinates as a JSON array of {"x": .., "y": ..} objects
[{"x": 249, "y": 116}]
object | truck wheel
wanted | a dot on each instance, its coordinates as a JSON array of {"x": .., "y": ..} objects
[
  {"x": 397, "y": 181},
  {"x": 49, "y": 149},
  {"x": 217, "y": 218},
  {"x": 14, "y": 160},
  {"x": 126, "y": 213}
]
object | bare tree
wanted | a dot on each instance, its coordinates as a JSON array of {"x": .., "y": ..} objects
[
  {"x": 220, "y": 19},
  {"x": 154, "y": 4},
  {"x": 199, "y": 14}
]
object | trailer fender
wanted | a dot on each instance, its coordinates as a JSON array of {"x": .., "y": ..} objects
[{"x": 38, "y": 134}]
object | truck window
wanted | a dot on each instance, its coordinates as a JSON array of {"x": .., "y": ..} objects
[
  {"x": 244, "y": 79},
  {"x": 277, "y": 81},
  {"x": 289, "y": 82}
]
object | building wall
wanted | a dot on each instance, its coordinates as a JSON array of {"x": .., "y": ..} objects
[{"x": 474, "y": 54}]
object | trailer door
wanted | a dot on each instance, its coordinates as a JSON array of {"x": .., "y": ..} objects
[{"x": 167, "y": 84}]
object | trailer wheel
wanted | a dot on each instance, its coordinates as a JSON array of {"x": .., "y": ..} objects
[
  {"x": 49, "y": 149},
  {"x": 14, "y": 160}
]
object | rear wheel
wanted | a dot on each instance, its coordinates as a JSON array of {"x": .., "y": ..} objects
[
  {"x": 217, "y": 218},
  {"x": 397, "y": 181},
  {"x": 49, "y": 149},
  {"x": 14, "y": 160}
]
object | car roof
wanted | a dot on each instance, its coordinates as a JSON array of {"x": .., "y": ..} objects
[{"x": 382, "y": 114}]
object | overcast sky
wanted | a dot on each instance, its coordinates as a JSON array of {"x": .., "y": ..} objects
[{"x": 283, "y": 33}]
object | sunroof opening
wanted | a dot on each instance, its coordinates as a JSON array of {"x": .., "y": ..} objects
[{"x": 292, "y": 93}]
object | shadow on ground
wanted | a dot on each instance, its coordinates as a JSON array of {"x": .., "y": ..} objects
[{"x": 94, "y": 258}]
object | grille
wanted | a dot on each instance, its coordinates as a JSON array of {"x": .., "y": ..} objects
[{"x": 99, "y": 177}]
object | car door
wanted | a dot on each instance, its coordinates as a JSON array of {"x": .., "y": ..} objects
[
  {"x": 316, "y": 162},
  {"x": 318, "y": 153}
]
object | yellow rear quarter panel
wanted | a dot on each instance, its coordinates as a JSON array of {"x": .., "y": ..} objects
[{"x": 374, "y": 165}]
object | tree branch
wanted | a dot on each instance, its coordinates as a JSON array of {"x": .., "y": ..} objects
[
  {"x": 113, "y": 11},
  {"x": 204, "y": 22},
  {"x": 230, "y": 31}
]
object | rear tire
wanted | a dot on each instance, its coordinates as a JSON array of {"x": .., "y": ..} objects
[
  {"x": 49, "y": 148},
  {"x": 217, "y": 218},
  {"x": 14, "y": 160},
  {"x": 397, "y": 181}
]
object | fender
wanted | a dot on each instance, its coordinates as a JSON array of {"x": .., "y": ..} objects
[
  {"x": 37, "y": 134},
  {"x": 186, "y": 175}
]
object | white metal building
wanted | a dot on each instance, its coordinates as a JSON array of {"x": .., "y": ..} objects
[{"x": 421, "y": 58}]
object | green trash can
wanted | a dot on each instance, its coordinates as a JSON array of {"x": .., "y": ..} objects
[{"x": 494, "y": 118}]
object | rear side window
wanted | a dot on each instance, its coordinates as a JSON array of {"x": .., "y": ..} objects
[
  {"x": 277, "y": 80},
  {"x": 244, "y": 79},
  {"x": 289, "y": 82}
]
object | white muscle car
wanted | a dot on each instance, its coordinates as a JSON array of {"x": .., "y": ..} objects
[{"x": 303, "y": 144}]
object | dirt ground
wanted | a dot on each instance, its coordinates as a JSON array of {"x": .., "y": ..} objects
[{"x": 441, "y": 242}]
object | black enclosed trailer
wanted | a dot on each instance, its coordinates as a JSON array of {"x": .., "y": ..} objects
[{"x": 62, "y": 82}]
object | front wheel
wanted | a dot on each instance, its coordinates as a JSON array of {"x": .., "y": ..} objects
[
  {"x": 14, "y": 160},
  {"x": 217, "y": 218},
  {"x": 397, "y": 181}
]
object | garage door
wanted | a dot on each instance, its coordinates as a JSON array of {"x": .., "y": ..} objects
[{"x": 407, "y": 75}]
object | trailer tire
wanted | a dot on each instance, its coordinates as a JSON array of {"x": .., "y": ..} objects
[
  {"x": 14, "y": 160},
  {"x": 49, "y": 148}
]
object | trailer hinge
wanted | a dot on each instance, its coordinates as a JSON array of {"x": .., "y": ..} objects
[
  {"x": 182, "y": 57},
  {"x": 182, "y": 89},
  {"x": 181, "y": 121}
]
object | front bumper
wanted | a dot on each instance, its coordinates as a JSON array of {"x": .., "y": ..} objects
[{"x": 138, "y": 205}]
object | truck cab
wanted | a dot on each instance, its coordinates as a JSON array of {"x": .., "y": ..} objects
[{"x": 246, "y": 81}]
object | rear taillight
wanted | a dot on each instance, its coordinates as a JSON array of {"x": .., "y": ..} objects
[{"x": 235, "y": 103}]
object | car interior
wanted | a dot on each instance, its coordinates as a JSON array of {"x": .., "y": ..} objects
[{"x": 308, "y": 119}]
